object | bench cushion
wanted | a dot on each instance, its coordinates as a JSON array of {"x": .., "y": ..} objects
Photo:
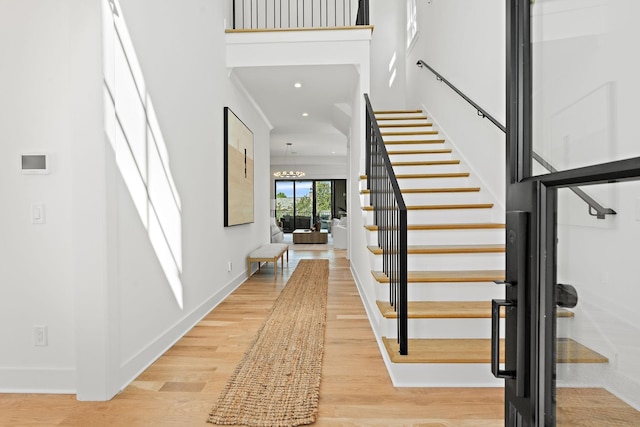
[{"x": 269, "y": 250}]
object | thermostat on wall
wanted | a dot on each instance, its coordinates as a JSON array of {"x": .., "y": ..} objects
[{"x": 34, "y": 164}]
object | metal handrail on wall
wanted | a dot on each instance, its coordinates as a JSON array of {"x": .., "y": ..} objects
[
  {"x": 390, "y": 216},
  {"x": 279, "y": 14},
  {"x": 595, "y": 208}
]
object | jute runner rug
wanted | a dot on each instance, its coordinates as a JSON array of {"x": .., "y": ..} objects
[{"x": 277, "y": 383}]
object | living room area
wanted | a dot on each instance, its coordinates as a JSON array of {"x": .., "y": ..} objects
[{"x": 309, "y": 212}]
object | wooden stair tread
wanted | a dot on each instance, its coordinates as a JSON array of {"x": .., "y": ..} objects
[
  {"x": 409, "y": 133},
  {"x": 441, "y": 207},
  {"x": 441, "y": 310},
  {"x": 426, "y": 227},
  {"x": 478, "y": 350},
  {"x": 427, "y": 163},
  {"x": 396, "y": 112},
  {"x": 415, "y": 152},
  {"x": 452, "y": 276},
  {"x": 446, "y": 249},
  {"x": 448, "y": 310},
  {"x": 592, "y": 406},
  {"x": 433, "y": 190},
  {"x": 404, "y": 125},
  {"x": 414, "y": 141}
]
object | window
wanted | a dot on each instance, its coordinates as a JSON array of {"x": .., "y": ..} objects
[
  {"x": 412, "y": 22},
  {"x": 299, "y": 204}
]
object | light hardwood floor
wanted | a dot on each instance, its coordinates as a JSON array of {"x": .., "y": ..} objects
[{"x": 182, "y": 385}]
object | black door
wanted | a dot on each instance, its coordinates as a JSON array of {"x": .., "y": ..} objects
[{"x": 572, "y": 338}]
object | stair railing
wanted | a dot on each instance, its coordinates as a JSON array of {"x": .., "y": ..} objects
[
  {"x": 390, "y": 216},
  {"x": 595, "y": 208},
  {"x": 278, "y": 14}
]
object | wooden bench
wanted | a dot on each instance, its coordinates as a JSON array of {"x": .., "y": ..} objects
[{"x": 268, "y": 253}]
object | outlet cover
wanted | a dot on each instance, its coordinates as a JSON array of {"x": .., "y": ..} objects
[{"x": 40, "y": 337}]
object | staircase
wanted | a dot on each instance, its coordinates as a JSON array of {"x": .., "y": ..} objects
[{"x": 455, "y": 253}]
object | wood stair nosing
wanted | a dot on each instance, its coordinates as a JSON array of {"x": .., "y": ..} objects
[
  {"x": 446, "y": 249},
  {"x": 440, "y": 207},
  {"x": 478, "y": 350},
  {"x": 441, "y": 310},
  {"x": 414, "y": 141},
  {"x": 447, "y": 276},
  {"x": 428, "y": 227},
  {"x": 433, "y": 190},
  {"x": 449, "y": 310}
]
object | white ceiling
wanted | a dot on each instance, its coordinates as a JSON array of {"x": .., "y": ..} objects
[{"x": 326, "y": 95}]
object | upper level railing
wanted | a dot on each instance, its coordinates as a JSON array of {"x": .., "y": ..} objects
[
  {"x": 281, "y": 14},
  {"x": 390, "y": 217},
  {"x": 595, "y": 208}
]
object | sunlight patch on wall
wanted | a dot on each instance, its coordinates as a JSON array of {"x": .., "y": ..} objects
[{"x": 140, "y": 151}]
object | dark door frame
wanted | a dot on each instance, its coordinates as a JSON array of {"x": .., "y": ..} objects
[{"x": 531, "y": 206}]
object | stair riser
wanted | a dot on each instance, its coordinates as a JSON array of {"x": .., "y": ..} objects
[
  {"x": 415, "y": 142},
  {"x": 444, "y": 328},
  {"x": 382, "y": 117},
  {"x": 441, "y": 262},
  {"x": 480, "y": 291},
  {"x": 450, "y": 237},
  {"x": 433, "y": 182},
  {"x": 417, "y": 120},
  {"x": 443, "y": 216},
  {"x": 445, "y": 198},
  {"x": 443, "y": 375},
  {"x": 418, "y": 157},
  {"x": 399, "y": 170}
]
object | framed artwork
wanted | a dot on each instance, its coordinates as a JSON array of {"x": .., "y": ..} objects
[{"x": 238, "y": 171}]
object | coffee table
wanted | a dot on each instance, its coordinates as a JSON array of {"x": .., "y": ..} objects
[{"x": 308, "y": 236}]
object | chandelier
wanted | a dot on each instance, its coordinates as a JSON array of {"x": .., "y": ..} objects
[{"x": 293, "y": 173}]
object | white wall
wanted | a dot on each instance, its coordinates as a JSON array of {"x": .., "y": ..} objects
[
  {"x": 95, "y": 273},
  {"x": 388, "y": 55},
  {"x": 465, "y": 42},
  {"x": 36, "y": 271}
]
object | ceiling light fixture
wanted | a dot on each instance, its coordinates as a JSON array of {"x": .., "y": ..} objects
[
  {"x": 293, "y": 173},
  {"x": 297, "y": 85},
  {"x": 305, "y": 114}
]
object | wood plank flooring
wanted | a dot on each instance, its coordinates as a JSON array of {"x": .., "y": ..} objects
[{"x": 180, "y": 388}]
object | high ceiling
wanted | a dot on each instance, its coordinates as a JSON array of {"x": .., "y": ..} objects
[{"x": 325, "y": 94}]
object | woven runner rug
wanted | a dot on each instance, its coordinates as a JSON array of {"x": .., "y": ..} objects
[{"x": 277, "y": 383}]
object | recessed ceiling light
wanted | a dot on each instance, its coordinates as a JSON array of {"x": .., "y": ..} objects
[
  {"x": 305, "y": 114},
  {"x": 333, "y": 152},
  {"x": 297, "y": 85}
]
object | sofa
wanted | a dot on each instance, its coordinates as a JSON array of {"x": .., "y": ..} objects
[
  {"x": 339, "y": 232},
  {"x": 277, "y": 235}
]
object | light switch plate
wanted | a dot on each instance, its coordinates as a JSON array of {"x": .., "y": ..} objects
[{"x": 37, "y": 214}]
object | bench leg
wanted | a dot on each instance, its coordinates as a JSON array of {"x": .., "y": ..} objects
[{"x": 248, "y": 267}]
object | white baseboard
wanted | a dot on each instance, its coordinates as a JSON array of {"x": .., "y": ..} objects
[
  {"x": 133, "y": 367},
  {"x": 38, "y": 380}
]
